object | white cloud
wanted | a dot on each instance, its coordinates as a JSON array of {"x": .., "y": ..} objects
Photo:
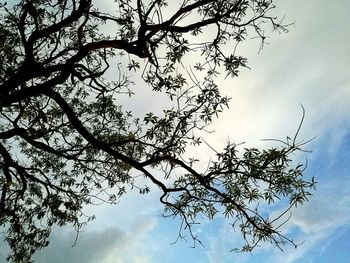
[
  {"x": 311, "y": 71},
  {"x": 328, "y": 210}
]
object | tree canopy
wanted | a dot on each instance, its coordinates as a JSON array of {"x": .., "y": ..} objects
[{"x": 66, "y": 140}]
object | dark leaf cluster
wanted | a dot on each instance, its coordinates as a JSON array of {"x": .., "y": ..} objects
[{"x": 67, "y": 141}]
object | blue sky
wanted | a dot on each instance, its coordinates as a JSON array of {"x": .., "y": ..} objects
[{"x": 309, "y": 65}]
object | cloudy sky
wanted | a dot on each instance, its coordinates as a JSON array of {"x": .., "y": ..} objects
[{"x": 309, "y": 65}]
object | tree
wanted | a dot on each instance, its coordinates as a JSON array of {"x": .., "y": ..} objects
[{"x": 66, "y": 141}]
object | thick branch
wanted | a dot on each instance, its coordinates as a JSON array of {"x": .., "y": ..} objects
[{"x": 74, "y": 120}]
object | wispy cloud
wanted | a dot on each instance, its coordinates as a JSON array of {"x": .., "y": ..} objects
[{"x": 319, "y": 221}]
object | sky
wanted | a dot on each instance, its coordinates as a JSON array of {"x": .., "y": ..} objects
[{"x": 308, "y": 66}]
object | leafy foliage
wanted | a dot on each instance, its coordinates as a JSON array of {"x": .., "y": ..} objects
[{"x": 65, "y": 142}]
